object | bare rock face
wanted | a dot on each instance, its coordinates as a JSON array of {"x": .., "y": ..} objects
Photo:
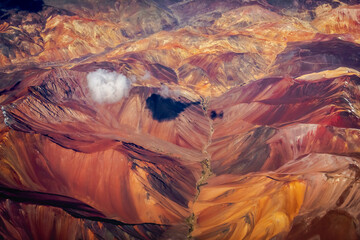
[{"x": 173, "y": 119}]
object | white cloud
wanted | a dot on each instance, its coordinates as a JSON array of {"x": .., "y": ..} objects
[
  {"x": 107, "y": 87},
  {"x": 6, "y": 117},
  {"x": 166, "y": 92},
  {"x": 146, "y": 76}
]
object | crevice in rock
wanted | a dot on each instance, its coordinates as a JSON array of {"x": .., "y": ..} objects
[{"x": 206, "y": 167}]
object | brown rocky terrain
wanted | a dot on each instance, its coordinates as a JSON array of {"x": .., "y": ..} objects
[{"x": 143, "y": 119}]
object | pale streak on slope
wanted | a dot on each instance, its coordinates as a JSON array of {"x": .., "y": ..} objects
[{"x": 341, "y": 71}]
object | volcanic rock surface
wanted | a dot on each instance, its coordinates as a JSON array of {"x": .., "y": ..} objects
[{"x": 240, "y": 119}]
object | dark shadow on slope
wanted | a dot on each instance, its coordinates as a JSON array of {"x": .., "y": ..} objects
[
  {"x": 22, "y": 5},
  {"x": 303, "y": 58},
  {"x": 79, "y": 209},
  {"x": 165, "y": 109}
]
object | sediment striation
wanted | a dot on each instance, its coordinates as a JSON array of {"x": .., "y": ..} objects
[{"x": 240, "y": 121}]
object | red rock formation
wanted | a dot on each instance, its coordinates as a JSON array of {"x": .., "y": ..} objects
[{"x": 241, "y": 122}]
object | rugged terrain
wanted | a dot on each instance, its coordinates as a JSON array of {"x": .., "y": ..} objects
[{"x": 240, "y": 120}]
